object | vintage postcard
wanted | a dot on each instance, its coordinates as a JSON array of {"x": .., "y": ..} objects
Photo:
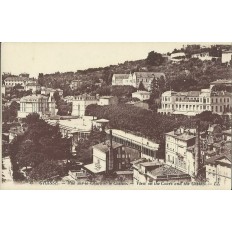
[{"x": 116, "y": 115}]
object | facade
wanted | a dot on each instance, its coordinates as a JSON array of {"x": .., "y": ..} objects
[
  {"x": 108, "y": 100},
  {"x": 50, "y": 91},
  {"x": 218, "y": 170},
  {"x": 195, "y": 102},
  {"x": 33, "y": 87},
  {"x": 177, "y": 57},
  {"x": 146, "y": 78},
  {"x": 226, "y": 57},
  {"x": 202, "y": 56},
  {"x": 141, "y": 95},
  {"x": 146, "y": 147},
  {"x": 80, "y": 103},
  {"x": 36, "y": 104},
  {"x": 107, "y": 157},
  {"x": 18, "y": 80},
  {"x": 179, "y": 147},
  {"x": 122, "y": 79}
]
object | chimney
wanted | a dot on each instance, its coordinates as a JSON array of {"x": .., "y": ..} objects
[
  {"x": 111, "y": 142},
  {"x": 197, "y": 148}
]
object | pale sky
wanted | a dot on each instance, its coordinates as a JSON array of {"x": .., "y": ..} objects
[{"x": 34, "y": 58}]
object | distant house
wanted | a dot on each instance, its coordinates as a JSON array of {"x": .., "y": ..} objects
[
  {"x": 33, "y": 87},
  {"x": 202, "y": 56},
  {"x": 13, "y": 81},
  {"x": 141, "y": 95},
  {"x": 75, "y": 84},
  {"x": 177, "y": 57},
  {"x": 79, "y": 104},
  {"x": 122, "y": 79},
  {"x": 145, "y": 78},
  {"x": 226, "y": 56},
  {"x": 108, "y": 100}
]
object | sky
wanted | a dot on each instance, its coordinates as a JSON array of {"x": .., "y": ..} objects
[{"x": 35, "y": 58}]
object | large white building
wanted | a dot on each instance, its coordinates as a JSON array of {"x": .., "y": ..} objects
[
  {"x": 194, "y": 102},
  {"x": 123, "y": 79},
  {"x": 19, "y": 80},
  {"x": 136, "y": 78},
  {"x": 36, "y": 104},
  {"x": 79, "y": 104}
]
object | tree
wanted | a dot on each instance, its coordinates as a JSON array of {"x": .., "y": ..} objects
[
  {"x": 141, "y": 86},
  {"x": 154, "y": 59},
  {"x": 32, "y": 118}
]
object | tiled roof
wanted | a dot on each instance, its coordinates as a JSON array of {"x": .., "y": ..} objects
[
  {"x": 16, "y": 78},
  {"x": 121, "y": 76},
  {"x": 148, "y": 74},
  {"x": 165, "y": 170}
]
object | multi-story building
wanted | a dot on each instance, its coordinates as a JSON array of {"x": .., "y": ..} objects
[
  {"x": 50, "y": 91},
  {"x": 16, "y": 80},
  {"x": 141, "y": 95},
  {"x": 80, "y": 103},
  {"x": 145, "y": 78},
  {"x": 108, "y": 100},
  {"x": 221, "y": 102},
  {"x": 177, "y": 150},
  {"x": 123, "y": 79},
  {"x": 36, "y": 104},
  {"x": 195, "y": 102},
  {"x": 218, "y": 169},
  {"x": 202, "y": 56}
]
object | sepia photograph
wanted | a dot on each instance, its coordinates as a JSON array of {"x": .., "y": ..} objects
[{"x": 116, "y": 115}]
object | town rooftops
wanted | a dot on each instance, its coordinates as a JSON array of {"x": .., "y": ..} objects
[
  {"x": 212, "y": 160},
  {"x": 121, "y": 76},
  {"x": 149, "y": 75},
  {"x": 105, "y": 146}
]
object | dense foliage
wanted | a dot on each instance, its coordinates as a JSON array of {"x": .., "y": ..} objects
[{"x": 40, "y": 144}]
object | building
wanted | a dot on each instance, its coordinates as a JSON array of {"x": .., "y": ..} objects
[
  {"x": 50, "y": 91},
  {"x": 107, "y": 100},
  {"x": 177, "y": 57},
  {"x": 202, "y": 56},
  {"x": 80, "y": 103},
  {"x": 74, "y": 128},
  {"x": 3, "y": 90},
  {"x": 225, "y": 82},
  {"x": 140, "y": 104},
  {"x": 123, "y": 79},
  {"x": 145, "y": 78},
  {"x": 69, "y": 99},
  {"x": 141, "y": 95},
  {"x": 33, "y": 87},
  {"x": 226, "y": 56},
  {"x": 22, "y": 79},
  {"x": 179, "y": 150},
  {"x": 150, "y": 173},
  {"x": 111, "y": 156},
  {"x": 227, "y": 135},
  {"x": 194, "y": 102},
  {"x": 16, "y": 80},
  {"x": 146, "y": 147},
  {"x": 36, "y": 104},
  {"x": 75, "y": 84},
  {"x": 218, "y": 169}
]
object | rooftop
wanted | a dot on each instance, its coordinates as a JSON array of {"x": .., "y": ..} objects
[
  {"x": 182, "y": 136},
  {"x": 107, "y": 97},
  {"x": 222, "y": 81},
  {"x": 18, "y": 78},
  {"x": 121, "y": 76},
  {"x": 105, "y": 146},
  {"x": 135, "y": 139},
  {"x": 148, "y": 74},
  {"x": 33, "y": 97}
]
